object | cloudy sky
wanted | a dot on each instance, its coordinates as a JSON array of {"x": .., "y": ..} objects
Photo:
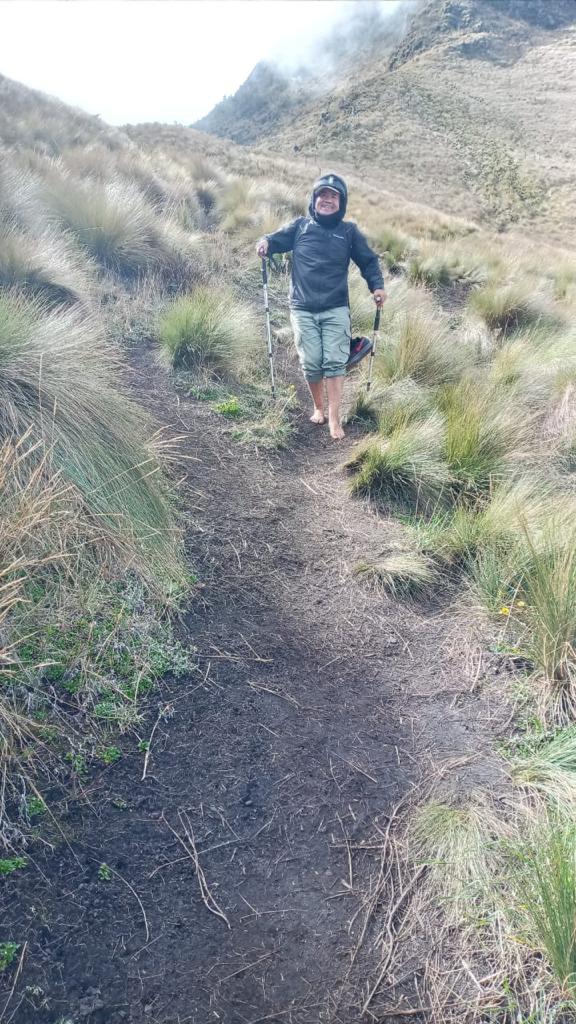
[{"x": 155, "y": 60}]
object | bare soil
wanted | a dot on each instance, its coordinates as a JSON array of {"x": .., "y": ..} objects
[{"x": 318, "y": 704}]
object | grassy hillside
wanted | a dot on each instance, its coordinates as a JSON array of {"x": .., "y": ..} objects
[
  {"x": 473, "y": 107},
  {"x": 113, "y": 242}
]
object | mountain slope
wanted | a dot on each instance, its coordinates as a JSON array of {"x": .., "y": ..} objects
[{"x": 467, "y": 110}]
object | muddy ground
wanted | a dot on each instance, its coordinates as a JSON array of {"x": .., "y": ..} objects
[{"x": 317, "y": 705}]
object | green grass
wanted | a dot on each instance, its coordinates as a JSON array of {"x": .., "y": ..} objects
[
  {"x": 8, "y": 865},
  {"x": 549, "y": 589},
  {"x": 420, "y": 347},
  {"x": 405, "y": 467},
  {"x": 231, "y": 407},
  {"x": 8, "y": 952},
  {"x": 59, "y": 381},
  {"x": 435, "y": 266},
  {"x": 104, "y": 656},
  {"x": 400, "y": 404},
  {"x": 543, "y": 881},
  {"x": 116, "y": 227},
  {"x": 210, "y": 328},
  {"x": 456, "y": 843},
  {"x": 507, "y": 308},
  {"x": 484, "y": 428},
  {"x": 547, "y": 765},
  {"x": 393, "y": 247}
]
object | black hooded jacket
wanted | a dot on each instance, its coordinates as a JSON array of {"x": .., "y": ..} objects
[{"x": 322, "y": 254}]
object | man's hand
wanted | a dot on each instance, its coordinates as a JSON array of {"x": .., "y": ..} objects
[
  {"x": 379, "y": 297},
  {"x": 262, "y": 248}
]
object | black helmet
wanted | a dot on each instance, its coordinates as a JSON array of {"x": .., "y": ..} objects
[{"x": 334, "y": 182}]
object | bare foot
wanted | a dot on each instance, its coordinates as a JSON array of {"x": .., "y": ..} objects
[
  {"x": 318, "y": 417},
  {"x": 336, "y": 431}
]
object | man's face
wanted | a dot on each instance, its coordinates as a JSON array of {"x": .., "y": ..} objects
[{"x": 327, "y": 201}]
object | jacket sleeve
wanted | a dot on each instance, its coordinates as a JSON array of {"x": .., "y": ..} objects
[
  {"x": 366, "y": 260},
  {"x": 283, "y": 239}
]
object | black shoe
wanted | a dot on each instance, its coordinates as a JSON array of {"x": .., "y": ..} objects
[{"x": 359, "y": 347}]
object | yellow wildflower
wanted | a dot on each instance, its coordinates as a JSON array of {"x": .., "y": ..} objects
[{"x": 504, "y": 610}]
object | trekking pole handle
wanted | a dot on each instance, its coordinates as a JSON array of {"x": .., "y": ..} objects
[
  {"x": 377, "y": 318},
  {"x": 264, "y": 271}
]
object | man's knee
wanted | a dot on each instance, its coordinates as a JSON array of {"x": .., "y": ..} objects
[
  {"x": 335, "y": 342},
  {"x": 308, "y": 341}
]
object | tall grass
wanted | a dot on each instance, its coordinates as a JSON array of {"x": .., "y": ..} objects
[
  {"x": 550, "y": 594},
  {"x": 116, "y": 227},
  {"x": 547, "y": 765},
  {"x": 420, "y": 347},
  {"x": 456, "y": 843},
  {"x": 435, "y": 266},
  {"x": 484, "y": 427},
  {"x": 507, "y": 308},
  {"x": 209, "y": 328},
  {"x": 43, "y": 266},
  {"x": 59, "y": 380},
  {"x": 405, "y": 467},
  {"x": 544, "y": 885}
]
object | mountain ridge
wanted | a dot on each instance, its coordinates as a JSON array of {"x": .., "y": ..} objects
[{"x": 470, "y": 105}]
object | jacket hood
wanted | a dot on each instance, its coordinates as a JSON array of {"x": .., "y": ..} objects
[{"x": 339, "y": 185}]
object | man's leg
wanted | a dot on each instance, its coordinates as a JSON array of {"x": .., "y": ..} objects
[
  {"x": 316, "y": 388},
  {"x": 334, "y": 387},
  {"x": 308, "y": 340},
  {"x": 336, "y": 350}
]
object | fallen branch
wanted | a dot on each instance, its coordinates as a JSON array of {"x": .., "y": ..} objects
[{"x": 189, "y": 845}]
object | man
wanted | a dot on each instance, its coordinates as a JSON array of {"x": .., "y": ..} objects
[{"x": 323, "y": 245}]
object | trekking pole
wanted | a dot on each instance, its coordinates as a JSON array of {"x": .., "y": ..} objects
[
  {"x": 269, "y": 332},
  {"x": 373, "y": 352}
]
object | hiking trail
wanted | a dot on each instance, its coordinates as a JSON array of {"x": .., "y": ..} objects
[{"x": 317, "y": 705}]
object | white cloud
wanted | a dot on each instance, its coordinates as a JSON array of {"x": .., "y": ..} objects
[{"x": 153, "y": 60}]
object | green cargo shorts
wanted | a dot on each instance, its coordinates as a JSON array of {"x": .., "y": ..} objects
[{"x": 322, "y": 341}]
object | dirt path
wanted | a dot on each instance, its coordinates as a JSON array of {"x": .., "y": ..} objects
[{"x": 313, "y": 713}]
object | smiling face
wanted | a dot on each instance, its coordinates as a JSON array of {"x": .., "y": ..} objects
[{"x": 327, "y": 201}]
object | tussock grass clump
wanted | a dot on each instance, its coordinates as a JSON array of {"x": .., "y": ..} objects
[
  {"x": 437, "y": 266},
  {"x": 208, "y": 328},
  {"x": 420, "y": 347},
  {"x": 116, "y": 227},
  {"x": 401, "y": 403},
  {"x": 451, "y": 537},
  {"x": 58, "y": 380},
  {"x": 549, "y": 589},
  {"x": 401, "y": 573},
  {"x": 393, "y": 246},
  {"x": 564, "y": 280},
  {"x": 509, "y": 308},
  {"x": 547, "y": 765},
  {"x": 484, "y": 427},
  {"x": 42, "y": 267},
  {"x": 543, "y": 882},
  {"x": 363, "y": 410},
  {"x": 456, "y": 843},
  {"x": 406, "y": 466}
]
